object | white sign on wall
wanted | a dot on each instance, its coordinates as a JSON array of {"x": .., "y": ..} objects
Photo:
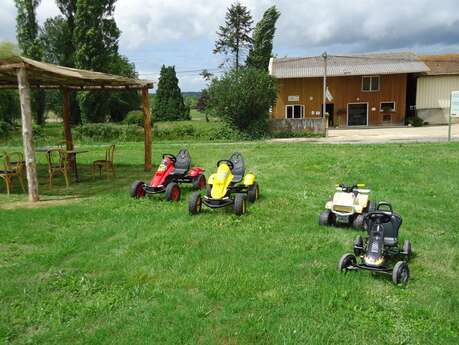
[
  {"x": 455, "y": 103},
  {"x": 293, "y": 98}
]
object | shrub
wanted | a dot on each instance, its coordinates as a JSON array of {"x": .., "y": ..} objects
[
  {"x": 5, "y": 129},
  {"x": 134, "y": 117},
  {"x": 416, "y": 121},
  {"x": 108, "y": 131},
  {"x": 243, "y": 98},
  {"x": 37, "y": 131}
]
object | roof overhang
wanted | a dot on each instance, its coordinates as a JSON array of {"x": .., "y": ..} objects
[{"x": 48, "y": 76}]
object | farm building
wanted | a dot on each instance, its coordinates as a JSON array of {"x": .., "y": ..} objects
[
  {"x": 435, "y": 86},
  {"x": 363, "y": 90}
]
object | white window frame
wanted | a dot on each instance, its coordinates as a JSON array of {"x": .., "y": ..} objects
[
  {"x": 347, "y": 114},
  {"x": 294, "y": 105},
  {"x": 371, "y": 77},
  {"x": 392, "y": 111}
]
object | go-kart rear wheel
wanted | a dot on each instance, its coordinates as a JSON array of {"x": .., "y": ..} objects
[
  {"x": 346, "y": 261},
  {"x": 137, "y": 189},
  {"x": 240, "y": 204},
  {"x": 172, "y": 192},
  {"x": 253, "y": 193},
  {"x": 358, "y": 221},
  {"x": 199, "y": 181},
  {"x": 324, "y": 218},
  {"x": 371, "y": 206},
  {"x": 401, "y": 273},
  {"x": 195, "y": 203},
  {"x": 407, "y": 249},
  {"x": 358, "y": 246}
]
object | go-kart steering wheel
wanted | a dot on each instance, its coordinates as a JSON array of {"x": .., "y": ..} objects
[
  {"x": 171, "y": 156},
  {"x": 380, "y": 217},
  {"x": 227, "y": 161}
]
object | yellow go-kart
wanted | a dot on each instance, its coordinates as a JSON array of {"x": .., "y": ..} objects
[{"x": 230, "y": 185}]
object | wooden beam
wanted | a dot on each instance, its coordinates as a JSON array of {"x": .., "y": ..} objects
[
  {"x": 66, "y": 120},
  {"x": 27, "y": 136},
  {"x": 12, "y": 66},
  {"x": 146, "y": 127}
]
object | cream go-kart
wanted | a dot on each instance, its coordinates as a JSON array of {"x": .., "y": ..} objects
[{"x": 348, "y": 207}]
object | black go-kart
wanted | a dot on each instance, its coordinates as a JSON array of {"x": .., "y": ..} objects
[{"x": 380, "y": 251}]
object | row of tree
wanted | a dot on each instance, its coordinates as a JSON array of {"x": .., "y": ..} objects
[{"x": 85, "y": 36}]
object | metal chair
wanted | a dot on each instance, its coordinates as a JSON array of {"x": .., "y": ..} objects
[
  {"x": 107, "y": 163},
  {"x": 14, "y": 166},
  {"x": 57, "y": 163}
]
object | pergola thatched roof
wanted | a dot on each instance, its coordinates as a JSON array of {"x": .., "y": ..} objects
[{"x": 48, "y": 76}]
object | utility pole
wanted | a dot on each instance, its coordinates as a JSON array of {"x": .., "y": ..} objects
[{"x": 324, "y": 101}]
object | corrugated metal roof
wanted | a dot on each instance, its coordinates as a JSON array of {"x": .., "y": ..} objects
[{"x": 362, "y": 64}]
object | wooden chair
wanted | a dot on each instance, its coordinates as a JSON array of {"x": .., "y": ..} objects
[
  {"x": 14, "y": 166},
  {"x": 57, "y": 163},
  {"x": 106, "y": 163}
]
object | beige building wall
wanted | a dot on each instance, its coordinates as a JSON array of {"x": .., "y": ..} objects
[{"x": 433, "y": 97}]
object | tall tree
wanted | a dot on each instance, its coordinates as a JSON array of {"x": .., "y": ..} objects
[
  {"x": 9, "y": 100},
  {"x": 169, "y": 103},
  {"x": 96, "y": 47},
  {"x": 29, "y": 44},
  {"x": 263, "y": 35},
  {"x": 233, "y": 38}
]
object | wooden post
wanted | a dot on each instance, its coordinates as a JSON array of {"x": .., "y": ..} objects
[
  {"x": 66, "y": 118},
  {"x": 27, "y": 134},
  {"x": 147, "y": 127}
]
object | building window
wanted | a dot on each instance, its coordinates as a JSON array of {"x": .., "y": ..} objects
[
  {"x": 387, "y": 107},
  {"x": 370, "y": 83},
  {"x": 294, "y": 111}
]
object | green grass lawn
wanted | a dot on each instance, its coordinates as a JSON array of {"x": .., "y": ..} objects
[{"x": 93, "y": 266}]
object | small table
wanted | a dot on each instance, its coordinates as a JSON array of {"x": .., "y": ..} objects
[{"x": 71, "y": 154}]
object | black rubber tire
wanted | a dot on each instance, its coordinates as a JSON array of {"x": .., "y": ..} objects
[
  {"x": 195, "y": 203},
  {"x": 209, "y": 190},
  {"x": 358, "y": 221},
  {"x": 371, "y": 206},
  {"x": 254, "y": 192},
  {"x": 199, "y": 181},
  {"x": 240, "y": 204},
  {"x": 324, "y": 218},
  {"x": 134, "y": 190},
  {"x": 346, "y": 260},
  {"x": 401, "y": 273},
  {"x": 407, "y": 249},
  {"x": 173, "y": 192},
  {"x": 358, "y": 246}
]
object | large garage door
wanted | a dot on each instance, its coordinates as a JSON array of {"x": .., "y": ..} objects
[{"x": 357, "y": 114}]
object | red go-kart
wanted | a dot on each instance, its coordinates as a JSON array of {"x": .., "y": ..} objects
[{"x": 172, "y": 171}]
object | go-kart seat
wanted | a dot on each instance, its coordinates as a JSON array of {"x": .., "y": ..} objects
[
  {"x": 238, "y": 167},
  {"x": 391, "y": 229},
  {"x": 182, "y": 163}
]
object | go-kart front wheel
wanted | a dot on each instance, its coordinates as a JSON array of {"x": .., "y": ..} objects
[
  {"x": 253, "y": 193},
  {"x": 172, "y": 192},
  {"x": 407, "y": 249},
  {"x": 401, "y": 273},
  {"x": 358, "y": 245},
  {"x": 195, "y": 203},
  {"x": 137, "y": 189},
  {"x": 199, "y": 181},
  {"x": 240, "y": 204},
  {"x": 325, "y": 218},
  {"x": 346, "y": 261}
]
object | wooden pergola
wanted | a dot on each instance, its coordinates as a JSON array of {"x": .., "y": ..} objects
[{"x": 24, "y": 74}]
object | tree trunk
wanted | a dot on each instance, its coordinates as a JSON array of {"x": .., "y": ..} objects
[
  {"x": 27, "y": 134},
  {"x": 147, "y": 128}
]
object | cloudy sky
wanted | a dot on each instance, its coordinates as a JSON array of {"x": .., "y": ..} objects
[{"x": 182, "y": 32}]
